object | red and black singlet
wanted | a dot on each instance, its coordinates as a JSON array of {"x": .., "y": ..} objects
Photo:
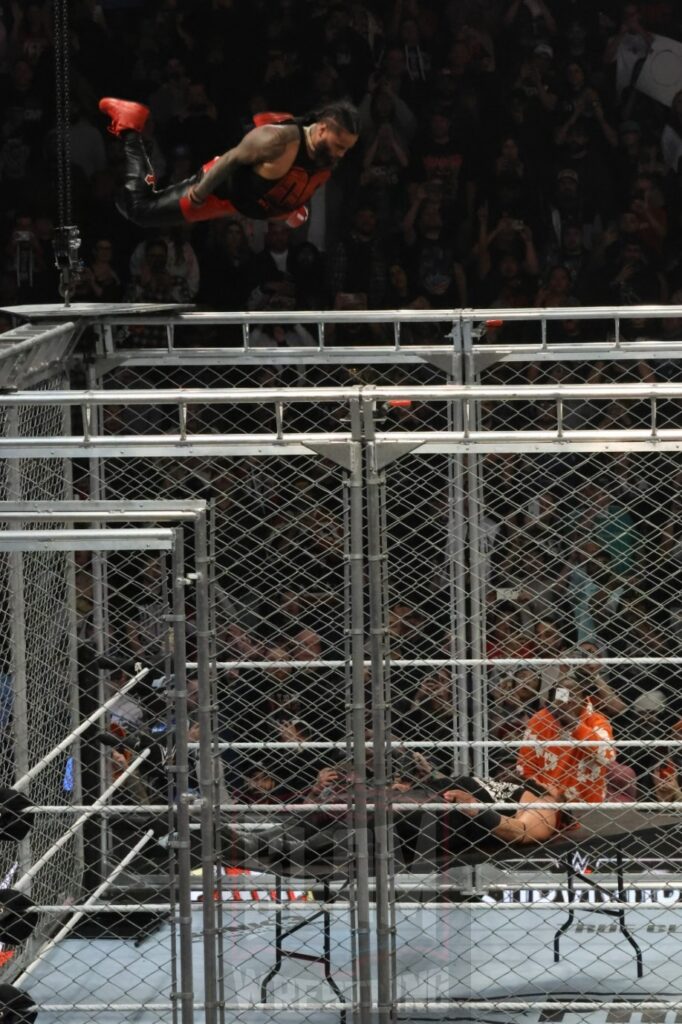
[{"x": 263, "y": 198}]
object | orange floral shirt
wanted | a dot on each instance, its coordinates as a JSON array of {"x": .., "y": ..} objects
[{"x": 579, "y": 772}]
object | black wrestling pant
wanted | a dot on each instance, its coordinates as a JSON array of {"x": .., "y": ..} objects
[
  {"x": 425, "y": 836},
  {"x": 138, "y": 200}
]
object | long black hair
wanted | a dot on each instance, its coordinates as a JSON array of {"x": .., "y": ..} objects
[{"x": 341, "y": 113}]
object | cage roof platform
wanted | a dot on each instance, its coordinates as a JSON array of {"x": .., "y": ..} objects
[{"x": 77, "y": 310}]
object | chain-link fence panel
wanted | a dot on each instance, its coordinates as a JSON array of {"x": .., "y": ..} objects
[
  {"x": 312, "y": 416},
  {"x": 528, "y": 614},
  {"x": 577, "y": 551},
  {"x": 103, "y": 761},
  {"x": 37, "y": 669},
  {"x": 499, "y": 639},
  {"x": 288, "y": 719},
  {"x": 603, "y": 352}
]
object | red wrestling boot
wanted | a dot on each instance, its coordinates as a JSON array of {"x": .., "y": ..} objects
[{"x": 125, "y": 115}]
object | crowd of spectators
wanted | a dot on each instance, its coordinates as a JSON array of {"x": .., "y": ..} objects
[
  {"x": 575, "y": 568},
  {"x": 573, "y": 558},
  {"x": 499, "y": 165}
]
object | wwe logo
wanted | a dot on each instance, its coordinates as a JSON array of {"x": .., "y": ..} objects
[{"x": 580, "y": 863}]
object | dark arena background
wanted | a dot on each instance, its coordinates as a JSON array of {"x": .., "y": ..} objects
[{"x": 341, "y": 514}]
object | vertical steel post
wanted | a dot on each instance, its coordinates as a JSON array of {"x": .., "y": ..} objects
[
  {"x": 74, "y": 694},
  {"x": 378, "y": 632},
  {"x": 457, "y": 572},
  {"x": 350, "y": 816},
  {"x": 457, "y": 567},
  {"x": 98, "y": 560},
  {"x": 362, "y": 947},
  {"x": 167, "y": 598},
  {"x": 215, "y": 734},
  {"x": 479, "y": 675},
  {"x": 180, "y": 769},
  {"x": 388, "y": 753},
  {"x": 206, "y": 768},
  {"x": 21, "y": 756}
]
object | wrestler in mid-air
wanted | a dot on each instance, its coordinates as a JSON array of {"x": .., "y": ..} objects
[{"x": 271, "y": 174}]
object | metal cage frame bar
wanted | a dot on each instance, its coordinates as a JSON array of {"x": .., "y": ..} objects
[{"x": 381, "y": 448}]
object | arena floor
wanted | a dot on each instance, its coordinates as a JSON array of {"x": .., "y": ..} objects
[{"x": 482, "y": 953}]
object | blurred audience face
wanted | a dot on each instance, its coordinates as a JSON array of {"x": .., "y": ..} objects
[
  {"x": 394, "y": 62},
  {"x": 155, "y": 257},
  {"x": 548, "y": 638},
  {"x": 527, "y": 687},
  {"x": 510, "y": 268},
  {"x": 510, "y": 150},
  {"x": 559, "y": 281},
  {"x": 277, "y": 236},
  {"x": 439, "y": 127},
  {"x": 430, "y": 217},
  {"x": 103, "y": 251},
  {"x": 365, "y": 222},
  {"x": 259, "y": 781},
  {"x": 398, "y": 278},
  {"x": 572, "y": 241},
  {"x": 568, "y": 703},
  {"x": 575, "y": 76},
  {"x": 629, "y": 141}
]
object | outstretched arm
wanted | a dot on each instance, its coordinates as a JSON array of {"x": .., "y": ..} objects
[
  {"x": 262, "y": 145},
  {"x": 529, "y": 824}
]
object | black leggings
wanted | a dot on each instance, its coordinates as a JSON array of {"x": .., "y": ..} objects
[
  {"x": 138, "y": 200},
  {"x": 452, "y": 830}
]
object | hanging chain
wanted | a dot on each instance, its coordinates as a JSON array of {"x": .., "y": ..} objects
[
  {"x": 67, "y": 238},
  {"x": 63, "y": 99}
]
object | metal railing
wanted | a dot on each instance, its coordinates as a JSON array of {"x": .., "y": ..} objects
[{"x": 415, "y": 528}]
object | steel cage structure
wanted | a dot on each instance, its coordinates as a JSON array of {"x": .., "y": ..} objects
[
  {"x": 40, "y": 870},
  {"x": 377, "y": 461},
  {"x": 87, "y": 513}
]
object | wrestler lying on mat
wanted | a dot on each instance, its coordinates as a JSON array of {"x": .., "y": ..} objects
[{"x": 550, "y": 773}]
